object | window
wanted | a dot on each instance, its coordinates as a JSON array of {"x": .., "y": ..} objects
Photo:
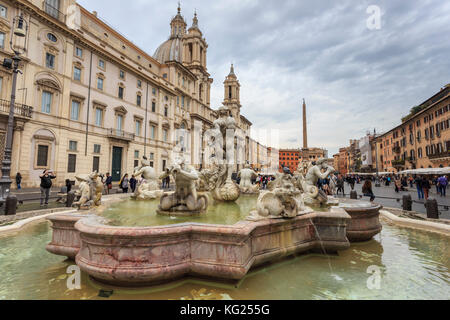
[
  {"x": 75, "y": 110},
  {"x": 96, "y": 164},
  {"x": 138, "y": 100},
  {"x": 165, "y": 76},
  {"x": 152, "y": 156},
  {"x": 119, "y": 122},
  {"x": 73, "y": 145},
  {"x": 153, "y": 132},
  {"x": 79, "y": 52},
  {"x": 42, "y": 156},
  {"x": 139, "y": 83},
  {"x": 99, "y": 83},
  {"x": 2, "y": 40},
  {"x": 153, "y": 106},
  {"x": 50, "y": 61},
  {"x": 3, "y": 11},
  {"x": 98, "y": 117},
  {"x": 121, "y": 74},
  {"x": 51, "y": 37},
  {"x": 101, "y": 64},
  {"x": 154, "y": 91},
  {"x": 76, "y": 74},
  {"x": 166, "y": 112},
  {"x": 138, "y": 128},
  {"x": 165, "y": 135},
  {"x": 52, "y": 8},
  {"x": 121, "y": 92},
  {"x": 97, "y": 148},
  {"x": 136, "y": 154},
  {"x": 72, "y": 163},
  {"x": 164, "y": 163},
  {"x": 46, "y": 101},
  {"x": 419, "y": 153}
]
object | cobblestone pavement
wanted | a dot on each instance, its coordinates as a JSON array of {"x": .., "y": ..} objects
[{"x": 384, "y": 192}]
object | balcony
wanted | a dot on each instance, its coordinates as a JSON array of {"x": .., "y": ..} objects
[
  {"x": 436, "y": 156},
  {"x": 398, "y": 163},
  {"x": 20, "y": 110},
  {"x": 120, "y": 135},
  {"x": 54, "y": 12},
  {"x": 396, "y": 149}
]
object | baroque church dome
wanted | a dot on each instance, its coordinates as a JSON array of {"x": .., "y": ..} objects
[{"x": 171, "y": 50}]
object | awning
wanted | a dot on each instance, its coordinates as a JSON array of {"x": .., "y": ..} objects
[{"x": 427, "y": 171}]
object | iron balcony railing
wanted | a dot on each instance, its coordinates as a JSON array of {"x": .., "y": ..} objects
[
  {"x": 444, "y": 154},
  {"x": 54, "y": 12},
  {"x": 120, "y": 134},
  {"x": 20, "y": 110}
]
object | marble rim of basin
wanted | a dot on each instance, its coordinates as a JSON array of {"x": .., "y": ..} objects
[
  {"x": 140, "y": 256},
  {"x": 365, "y": 222},
  {"x": 65, "y": 238}
]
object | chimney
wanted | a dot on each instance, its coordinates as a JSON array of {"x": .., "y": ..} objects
[{"x": 305, "y": 127}]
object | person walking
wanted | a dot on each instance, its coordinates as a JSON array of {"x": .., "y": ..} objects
[
  {"x": 443, "y": 182},
  {"x": 367, "y": 190},
  {"x": 108, "y": 183},
  {"x": 133, "y": 183},
  {"x": 426, "y": 186},
  {"x": 419, "y": 186},
  {"x": 124, "y": 183},
  {"x": 340, "y": 185},
  {"x": 46, "y": 184},
  {"x": 19, "y": 180},
  {"x": 397, "y": 185}
]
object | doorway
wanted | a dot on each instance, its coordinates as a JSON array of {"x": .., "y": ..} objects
[{"x": 116, "y": 171}]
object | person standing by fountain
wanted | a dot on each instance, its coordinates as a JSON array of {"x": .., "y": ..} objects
[
  {"x": 46, "y": 184},
  {"x": 367, "y": 190},
  {"x": 124, "y": 183},
  {"x": 108, "y": 182},
  {"x": 426, "y": 185},
  {"x": 419, "y": 186},
  {"x": 133, "y": 183}
]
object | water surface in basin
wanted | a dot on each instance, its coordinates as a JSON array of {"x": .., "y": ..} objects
[
  {"x": 412, "y": 264},
  {"x": 133, "y": 213}
]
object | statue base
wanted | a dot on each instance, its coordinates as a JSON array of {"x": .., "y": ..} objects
[
  {"x": 254, "y": 216},
  {"x": 148, "y": 195}
]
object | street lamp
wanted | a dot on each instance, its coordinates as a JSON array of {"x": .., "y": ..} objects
[{"x": 19, "y": 32}]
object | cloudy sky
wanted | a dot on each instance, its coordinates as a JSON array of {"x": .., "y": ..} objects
[{"x": 353, "y": 79}]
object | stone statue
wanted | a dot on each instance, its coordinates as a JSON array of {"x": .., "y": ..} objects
[
  {"x": 218, "y": 178},
  {"x": 283, "y": 200},
  {"x": 247, "y": 175},
  {"x": 148, "y": 185},
  {"x": 185, "y": 200},
  {"x": 90, "y": 191},
  {"x": 312, "y": 194}
]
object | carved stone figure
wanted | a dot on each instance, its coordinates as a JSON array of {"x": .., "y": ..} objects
[
  {"x": 148, "y": 185},
  {"x": 218, "y": 179},
  {"x": 283, "y": 200},
  {"x": 247, "y": 175},
  {"x": 185, "y": 200},
  {"x": 312, "y": 194},
  {"x": 90, "y": 191}
]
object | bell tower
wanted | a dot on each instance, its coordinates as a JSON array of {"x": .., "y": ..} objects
[
  {"x": 177, "y": 25},
  {"x": 232, "y": 92}
]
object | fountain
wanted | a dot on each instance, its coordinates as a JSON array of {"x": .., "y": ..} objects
[
  {"x": 245, "y": 185},
  {"x": 164, "y": 250},
  {"x": 218, "y": 179},
  {"x": 184, "y": 201},
  {"x": 148, "y": 186}
]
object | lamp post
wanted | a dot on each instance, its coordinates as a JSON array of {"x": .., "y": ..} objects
[{"x": 20, "y": 28}]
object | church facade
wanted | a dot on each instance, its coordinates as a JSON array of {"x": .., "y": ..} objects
[{"x": 89, "y": 99}]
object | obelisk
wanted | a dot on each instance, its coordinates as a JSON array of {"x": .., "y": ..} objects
[{"x": 305, "y": 127}]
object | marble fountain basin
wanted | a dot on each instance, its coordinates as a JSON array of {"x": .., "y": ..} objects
[{"x": 147, "y": 255}]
